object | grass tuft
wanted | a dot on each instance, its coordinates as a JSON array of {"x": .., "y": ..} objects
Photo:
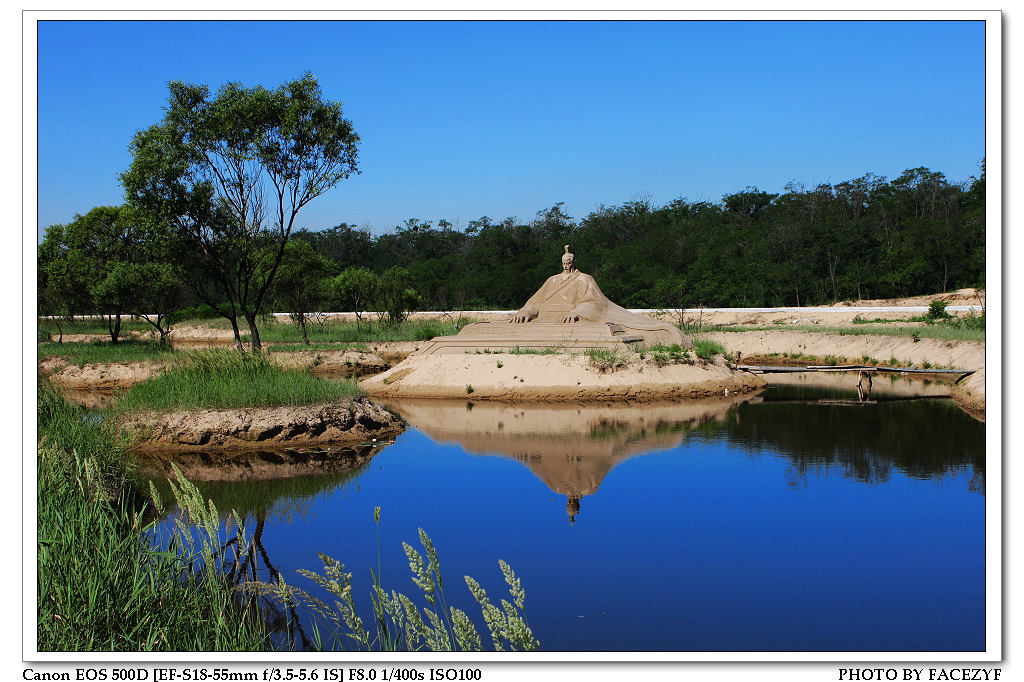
[
  {"x": 706, "y": 349},
  {"x": 227, "y": 378}
]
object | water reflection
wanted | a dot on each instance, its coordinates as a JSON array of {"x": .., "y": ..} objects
[
  {"x": 923, "y": 439},
  {"x": 282, "y": 484},
  {"x": 570, "y": 447}
]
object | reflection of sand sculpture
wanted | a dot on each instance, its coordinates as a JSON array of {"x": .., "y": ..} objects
[
  {"x": 568, "y": 311},
  {"x": 570, "y": 447}
]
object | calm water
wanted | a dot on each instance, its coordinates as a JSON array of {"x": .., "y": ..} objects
[{"x": 782, "y": 523}]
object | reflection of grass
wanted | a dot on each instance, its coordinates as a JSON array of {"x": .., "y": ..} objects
[{"x": 227, "y": 378}]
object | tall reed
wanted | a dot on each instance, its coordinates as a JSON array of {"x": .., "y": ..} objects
[
  {"x": 102, "y": 584},
  {"x": 398, "y": 623}
]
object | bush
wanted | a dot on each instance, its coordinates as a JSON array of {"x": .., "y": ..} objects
[{"x": 937, "y": 310}]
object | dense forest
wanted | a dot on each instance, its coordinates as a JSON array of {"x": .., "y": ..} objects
[{"x": 864, "y": 238}]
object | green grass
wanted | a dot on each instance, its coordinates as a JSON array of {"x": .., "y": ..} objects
[
  {"x": 291, "y": 347},
  {"x": 951, "y": 330},
  {"x": 103, "y": 352},
  {"x": 102, "y": 586},
  {"x": 706, "y": 349},
  {"x": 226, "y": 378},
  {"x": 662, "y": 355},
  {"x": 398, "y": 623},
  {"x": 519, "y": 350},
  {"x": 606, "y": 359},
  {"x": 91, "y": 326},
  {"x": 105, "y": 586},
  {"x": 346, "y": 331}
]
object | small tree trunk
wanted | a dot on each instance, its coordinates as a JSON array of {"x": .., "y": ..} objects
[
  {"x": 60, "y": 331},
  {"x": 302, "y": 323},
  {"x": 254, "y": 333},
  {"x": 114, "y": 327},
  {"x": 238, "y": 335}
]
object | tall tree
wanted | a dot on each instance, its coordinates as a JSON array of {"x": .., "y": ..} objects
[{"x": 230, "y": 173}]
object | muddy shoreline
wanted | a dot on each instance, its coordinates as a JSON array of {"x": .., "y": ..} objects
[{"x": 354, "y": 421}]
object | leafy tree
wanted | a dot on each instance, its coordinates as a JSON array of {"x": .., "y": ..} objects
[
  {"x": 302, "y": 281},
  {"x": 354, "y": 289},
  {"x": 81, "y": 256},
  {"x": 396, "y": 296},
  {"x": 230, "y": 173}
]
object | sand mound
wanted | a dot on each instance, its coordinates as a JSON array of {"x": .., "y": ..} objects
[{"x": 556, "y": 377}]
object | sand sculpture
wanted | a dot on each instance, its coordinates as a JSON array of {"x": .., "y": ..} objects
[{"x": 568, "y": 311}]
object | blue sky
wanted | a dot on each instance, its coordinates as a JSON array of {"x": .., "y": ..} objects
[{"x": 464, "y": 119}]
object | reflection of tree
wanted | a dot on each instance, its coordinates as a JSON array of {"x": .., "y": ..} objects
[
  {"x": 244, "y": 567},
  {"x": 925, "y": 439},
  {"x": 261, "y": 486},
  {"x": 280, "y": 485}
]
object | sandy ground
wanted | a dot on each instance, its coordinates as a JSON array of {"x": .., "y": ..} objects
[
  {"x": 968, "y": 355},
  {"x": 502, "y": 376}
]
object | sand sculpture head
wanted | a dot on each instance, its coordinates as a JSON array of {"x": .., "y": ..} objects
[{"x": 568, "y": 260}]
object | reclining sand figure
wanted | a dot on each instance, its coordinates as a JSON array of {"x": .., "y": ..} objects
[{"x": 572, "y": 296}]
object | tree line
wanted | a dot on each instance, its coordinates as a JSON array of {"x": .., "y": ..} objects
[
  {"x": 213, "y": 191},
  {"x": 917, "y": 234}
]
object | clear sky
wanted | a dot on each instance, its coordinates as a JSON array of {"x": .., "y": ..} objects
[{"x": 461, "y": 119}]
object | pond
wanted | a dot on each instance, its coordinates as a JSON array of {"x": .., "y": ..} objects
[{"x": 796, "y": 520}]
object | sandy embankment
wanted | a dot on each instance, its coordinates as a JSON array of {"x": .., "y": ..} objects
[
  {"x": 106, "y": 377},
  {"x": 968, "y": 355},
  {"x": 342, "y": 422},
  {"x": 529, "y": 377}
]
